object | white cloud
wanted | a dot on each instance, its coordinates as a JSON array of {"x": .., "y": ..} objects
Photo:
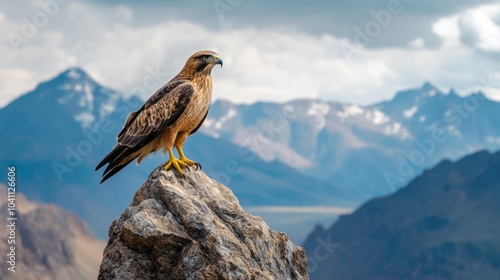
[
  {"x": 490, "y": 85},
  {"x": 417, "y": 43},
  {"x": 13, "y": 82},
  {"x": 259, "y": 64},
  {"x": 447, "y": 29},
  {"x": 479, "y": 25},
  {"x": 476, "y": 27}
]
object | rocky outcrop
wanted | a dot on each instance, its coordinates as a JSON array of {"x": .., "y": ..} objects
[
  {"x": 191, "y": 227},
  {"x": 50, "y": 243}
]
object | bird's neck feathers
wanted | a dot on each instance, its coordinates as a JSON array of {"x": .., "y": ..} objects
[
  {"x": 203, "y": 82},
  {"x": 193, "y": 71},
  {"x": 201, "y": 78}
]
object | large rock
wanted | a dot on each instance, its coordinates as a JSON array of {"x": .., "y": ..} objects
[{"x": 191, "y": 227}]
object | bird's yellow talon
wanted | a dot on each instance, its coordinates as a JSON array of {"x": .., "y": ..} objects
[
  {"x": 167, "y": 166},
  {"x": 183, "y": 158},
  {"x": 181, "y": 163},
  {"x": 178, "y": 166},
  {"x": 176, "y": 163},
  {"x": 187, "y": 161}
]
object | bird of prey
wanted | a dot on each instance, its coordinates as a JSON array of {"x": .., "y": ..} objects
[{"x": 167, "y": 118}]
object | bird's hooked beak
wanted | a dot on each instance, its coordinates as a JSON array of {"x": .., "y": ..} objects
[{"x": 218, "y": 60}]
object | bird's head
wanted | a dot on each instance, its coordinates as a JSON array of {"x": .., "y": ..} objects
[{"x": 201, "y": 62}]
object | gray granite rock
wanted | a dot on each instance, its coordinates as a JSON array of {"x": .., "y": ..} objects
[{"x": 192, "y": 227}]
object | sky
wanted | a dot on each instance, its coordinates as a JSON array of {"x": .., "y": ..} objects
[{"x": 350, "y": 51}]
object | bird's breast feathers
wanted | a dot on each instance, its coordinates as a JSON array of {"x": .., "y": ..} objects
[{"x": 197, "y": 107}]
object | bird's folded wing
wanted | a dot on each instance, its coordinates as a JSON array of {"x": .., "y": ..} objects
[{"x": 158, "y": 113}]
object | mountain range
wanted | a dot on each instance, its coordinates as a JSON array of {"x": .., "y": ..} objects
[
  {"x": 295, "y": 155},
  {"x": 444, "y": 225},
  {"x": 59, "y": 132},
  {"x": 367, "y": 150}
]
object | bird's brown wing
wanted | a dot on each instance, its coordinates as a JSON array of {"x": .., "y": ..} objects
[{"x": 159, "y": 112}]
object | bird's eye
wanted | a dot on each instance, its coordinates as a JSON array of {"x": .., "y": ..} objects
[{"x": 205, "y": 57}]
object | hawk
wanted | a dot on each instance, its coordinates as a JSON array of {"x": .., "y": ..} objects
[{"x": 167, "y": 118}]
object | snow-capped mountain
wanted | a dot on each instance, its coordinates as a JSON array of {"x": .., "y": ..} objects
[
  {"x": 362, "y": 147},
  {"x": 300, "y": 153},
  {"x": 291, "y": 132},
  {"x": 56, "y": 113},
  {"x": 57, "y": 133},
  {"x": 90, "y": 101}
]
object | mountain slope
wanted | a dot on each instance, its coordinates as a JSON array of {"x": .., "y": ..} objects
[
  {"x": 71, "y": 102},
  {"x": 62, "y": 129},
  {"x": 363, "y": 148},
  {"x": 50, "y": 243},
  {"x": 444, "y": 225}
]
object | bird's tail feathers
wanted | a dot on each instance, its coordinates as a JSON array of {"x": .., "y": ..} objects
[
  {"x": 117, "y": 150},
  {"x": 112, "y": 171},
  {"x": 117, "y": 159}
]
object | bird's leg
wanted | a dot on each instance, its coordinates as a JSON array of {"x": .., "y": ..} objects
[
  {"x": 176, "y": 163},
  {"x": 183, "y": 158}
]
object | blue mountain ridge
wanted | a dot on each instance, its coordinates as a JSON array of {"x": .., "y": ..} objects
[
  {"x": 368, "y": 150},
  {"x": 298, "y": 153},
  {"x": 443, "y": 225},
  {"x": 59, "y": 132}
]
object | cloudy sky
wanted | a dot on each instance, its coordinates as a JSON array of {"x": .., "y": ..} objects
[{"x": 352, "y": 51}]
